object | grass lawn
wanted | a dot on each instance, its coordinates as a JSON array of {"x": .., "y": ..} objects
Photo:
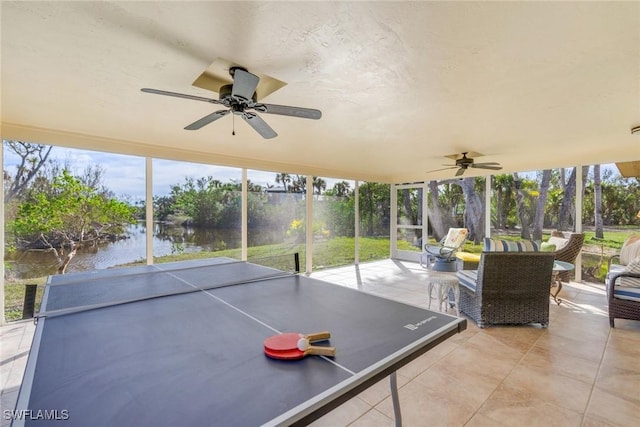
[
  {"x": 14, "y": 296},
  {"x": 337, "y": 252}
]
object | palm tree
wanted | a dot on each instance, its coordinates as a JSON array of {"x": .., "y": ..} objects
[
  {"x": 319, "y": 184},
  {"x": 597, "y": 203},
  {"x": 285, "y": 179},
  {"x": 541, "y": 203},
  {"x": 341, "y": 189},
  {"x": 566, "y": 220}
]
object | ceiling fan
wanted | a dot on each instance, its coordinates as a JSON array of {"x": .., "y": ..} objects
[
  {"x": 465, "y": 162},
  {"x": 240, "y": 97}
]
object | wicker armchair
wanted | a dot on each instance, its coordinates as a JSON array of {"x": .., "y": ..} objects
[
  {"x": 624, "y": 301},
  {"x": 623, "y": 282},
  {"x": 569, "y": 252},
  {"x": 508, "y": 288}
]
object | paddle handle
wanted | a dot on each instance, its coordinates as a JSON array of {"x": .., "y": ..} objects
[
  {"x": 318, "y": 336},
  {"x": 321, "y": 351}
]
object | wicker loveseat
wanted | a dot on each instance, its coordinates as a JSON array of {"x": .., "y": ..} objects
[{"x": 507, "y": 288}]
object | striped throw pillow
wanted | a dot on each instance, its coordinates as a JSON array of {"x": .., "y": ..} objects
[
  {"x": 494, "y": 245},
  {"x": 632, "y": 267}
]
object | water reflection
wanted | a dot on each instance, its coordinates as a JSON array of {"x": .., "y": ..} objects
[{"x": 167, "y": 240}]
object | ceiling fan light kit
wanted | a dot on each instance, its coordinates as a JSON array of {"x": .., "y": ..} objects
[{"x": 240, "y": 97}]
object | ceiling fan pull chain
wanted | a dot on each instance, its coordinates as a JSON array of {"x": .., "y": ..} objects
[{"x": 233, "y": 126}]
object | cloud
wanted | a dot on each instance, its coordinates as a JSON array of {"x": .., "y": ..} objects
[{"x": 125, "y": 175}]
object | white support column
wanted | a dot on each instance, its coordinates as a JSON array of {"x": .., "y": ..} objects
[
  {"x": 393, "y": 226},
  {"x": 149, "y": 209},
  {"x": 245, "y": 215},
  {"x": 2, "y": 320},
  {"x": 309, "y": 225},
  {"x": 578, "y": 221},
  {"x": 487, "y": 206},
  {"x": 356, "y": 233},
  {"x": 425, "y": 214}
]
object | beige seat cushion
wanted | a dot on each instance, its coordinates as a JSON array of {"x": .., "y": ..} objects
[
  {"x": 630, "y": 249},
  {"x": 632, "y": 267},
  {"x": 559, "y": 242}
]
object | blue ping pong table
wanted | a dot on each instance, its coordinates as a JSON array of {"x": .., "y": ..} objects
[{"x": 181, "y": 344}]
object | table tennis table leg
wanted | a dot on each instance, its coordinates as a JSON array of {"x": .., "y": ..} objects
[{"x": 395, "y": 399}]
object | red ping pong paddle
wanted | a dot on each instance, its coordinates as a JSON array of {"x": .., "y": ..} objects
[{"x": 295, "y": 346}]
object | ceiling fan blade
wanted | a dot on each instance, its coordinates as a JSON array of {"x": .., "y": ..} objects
[
  {"x": 207, "y": 119},
  {"x": 285, "y": 110},
  {"x": 486, "y": 166},
  {"x": 443, "y": 169},
  {"x": 244, "y": 84},
  {"x": 259, "y": 125},
  {"x": 460, "y": 171},
  {"x": 180, "y": 95}
]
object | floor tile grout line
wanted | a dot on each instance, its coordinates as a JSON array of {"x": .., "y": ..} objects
[
  {"x": 372, "y": 409},
  {"x": 595, "y": 378},
  {"x": 504, "y": 378}
]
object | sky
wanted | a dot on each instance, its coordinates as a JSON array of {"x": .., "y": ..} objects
[{"x": 125, "y": 175}]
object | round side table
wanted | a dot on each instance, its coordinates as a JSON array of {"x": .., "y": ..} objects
[
  {"x": 443, "y": 282},
  {"x": 559, "y": 267}
]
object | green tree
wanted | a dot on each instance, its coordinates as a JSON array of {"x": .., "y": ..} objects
[
  {"x": 74, "y": 216},
  {"x": 503, "y": 199},
  {"x": 474, "y": 207},
  {"x": 319, "y": 185},
  {"x": 341, "y": 189},
  {"x": 446, "y": 206},
  {"x": 540, "y": 204},
  {"x": 597, "y": 202},
  {"x": 436, "y": 218},
  {"x": 298, "y": 184},
  {"x": 163, "y": 207},
  {"x": 338, "y": 214},
  {"x": 32, "y": 158},
  {"x": 285, "y": 179},
  {"x": 375, "y": 209},
  {"x": 566, "y": 220}
]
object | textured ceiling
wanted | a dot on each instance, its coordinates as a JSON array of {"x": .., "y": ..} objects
[{"x": 401, "y": 85}]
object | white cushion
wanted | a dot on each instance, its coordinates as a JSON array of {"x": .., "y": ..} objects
[
  {"x": 631, "y": 294},
  {"x": 630, "y": 249},
  {"x": 615, "y": 268},
  {"x": 632, "y": 267},
  {"x": 455, "y": 237},
  {"x": 560, "y": 242},
  {"x": 468, "y": 278}
]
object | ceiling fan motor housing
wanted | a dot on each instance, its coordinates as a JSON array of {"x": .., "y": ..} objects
[
  {"x": 464, "y": 162},
  {"x": 225, "y": 95},
  {"x": 239, "y": 97}
]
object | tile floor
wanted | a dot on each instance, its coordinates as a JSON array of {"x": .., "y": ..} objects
[
  {"x": 577, "y": 372},
  {"x": 15, "y": 342}
]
